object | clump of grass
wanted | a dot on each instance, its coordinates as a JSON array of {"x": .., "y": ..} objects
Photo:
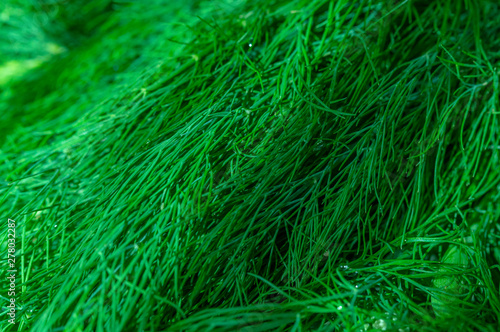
[{"x": 261, "y": 166}]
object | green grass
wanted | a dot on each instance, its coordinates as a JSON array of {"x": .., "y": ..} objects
[{"x": 254, "y": 166}]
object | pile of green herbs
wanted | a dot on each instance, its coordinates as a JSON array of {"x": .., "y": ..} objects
[{"x": 255, "y": 166}]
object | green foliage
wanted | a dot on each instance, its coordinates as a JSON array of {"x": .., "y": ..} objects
[
  {"x": 39, "y": 28},
  {"x": 259, "y": 166},
  {"x": 453, "y": 286}
]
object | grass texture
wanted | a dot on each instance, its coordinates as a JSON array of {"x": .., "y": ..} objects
[{"x": 252, "y": 166}]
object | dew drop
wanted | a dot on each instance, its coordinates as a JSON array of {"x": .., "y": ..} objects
[{"x": 380, "y": 325}]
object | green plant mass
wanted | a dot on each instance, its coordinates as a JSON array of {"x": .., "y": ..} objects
[{"x": 229, "y": 165}]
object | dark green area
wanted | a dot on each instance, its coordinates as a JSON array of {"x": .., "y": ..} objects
[{"x": 253, "y": 166}]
